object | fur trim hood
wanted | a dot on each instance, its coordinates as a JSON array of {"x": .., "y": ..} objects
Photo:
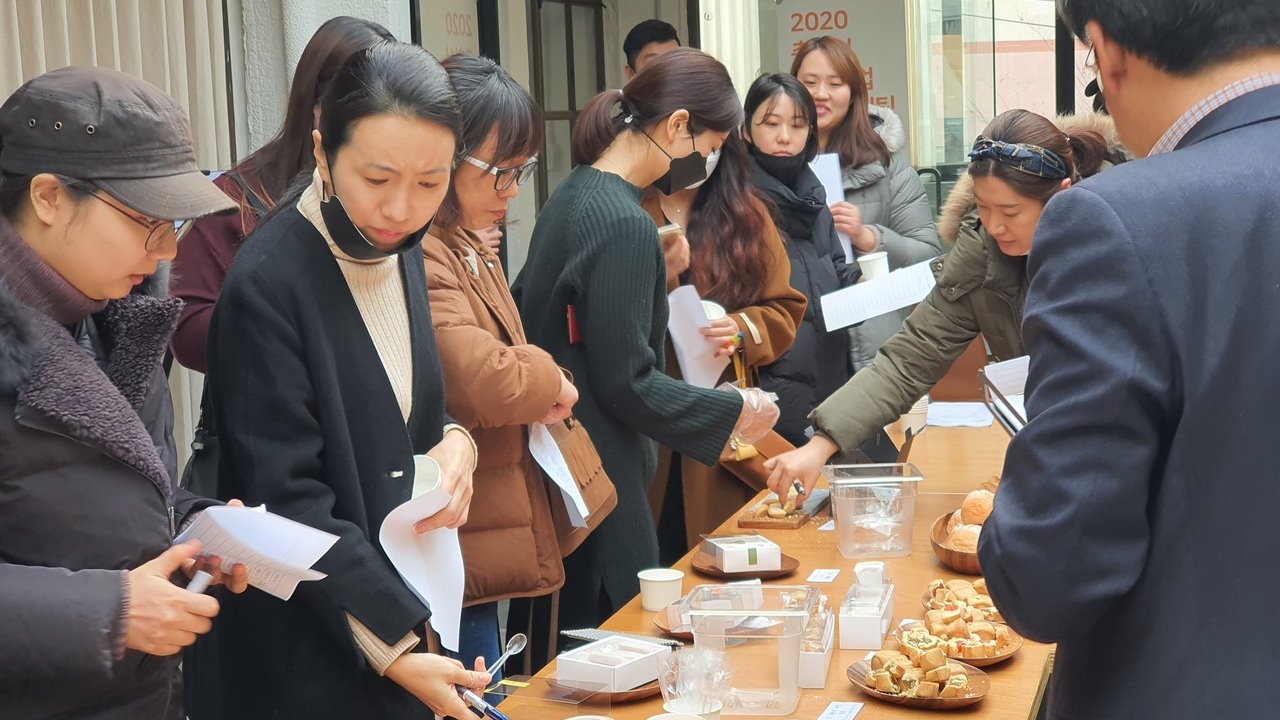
[
  {"x": 887, "y": 123},
  {"x": 960, "y": 202}
]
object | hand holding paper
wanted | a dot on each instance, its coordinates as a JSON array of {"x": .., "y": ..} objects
[{"x": 455, "y": 463}]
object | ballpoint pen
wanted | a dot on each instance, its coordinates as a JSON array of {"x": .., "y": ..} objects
[
  {"x": 799, "y": 487},
  {"x": 480, "y": 705},
  {"x": 199, "y": 582}
]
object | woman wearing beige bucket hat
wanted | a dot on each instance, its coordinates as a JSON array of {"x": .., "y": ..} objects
[{"x": 94, "y": 168}]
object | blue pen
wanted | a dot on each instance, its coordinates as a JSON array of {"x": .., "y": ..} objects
[{"x": 480, "y": 705}]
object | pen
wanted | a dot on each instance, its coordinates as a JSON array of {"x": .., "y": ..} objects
[
  {"x": 480, "y": 705},
  {"x": 798, "y": 486},
  {"x": 199, "y": 582}
]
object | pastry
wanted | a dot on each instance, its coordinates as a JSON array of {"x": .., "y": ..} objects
[
  {"x": 884, "y": 682},
  {"x": 957, "y": 687},
  {"x": 980, "y": 585},
  {"x": 983, "y": 629},
  {"x": 884, "y": 657},
  {"x": 931, "y": 659},
  {"x": 976, "y": 507},
  {"x": 928, "y": 689},
  {"x": 939, "y": 674},
  {"x": 964, "y": 539}
]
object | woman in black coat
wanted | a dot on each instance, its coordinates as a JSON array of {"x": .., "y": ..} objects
[
  {"x": 91, "y": 624},
  {"x": 326, "y": 383},
  {"x": 781, "y": 128}
]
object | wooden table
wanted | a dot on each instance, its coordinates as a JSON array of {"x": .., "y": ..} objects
[{"x": 954, "y": 461}]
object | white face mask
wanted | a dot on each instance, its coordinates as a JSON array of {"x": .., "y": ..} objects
[{"x": 712, "y": 160}]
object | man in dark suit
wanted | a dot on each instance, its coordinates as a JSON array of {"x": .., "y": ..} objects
[{"x": 1136, "y": 522}]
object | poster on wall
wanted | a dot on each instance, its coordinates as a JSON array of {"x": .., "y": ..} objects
[
  {"x": 449, "y": 26},
  {"x": 875, "y": 29}
]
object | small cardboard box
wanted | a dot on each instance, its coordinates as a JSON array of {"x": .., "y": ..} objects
[
  {"x": 814, "y": 665},
  {"x": 743, "y": 553},
  {"x": 611, "y": 665}
]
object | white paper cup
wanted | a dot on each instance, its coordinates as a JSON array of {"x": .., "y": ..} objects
[
  {"x": 706, "y": 710},
  {"x": 426, "y": 475},
  {"x": 714, "y": 310},
  {"x": 874, "y": 265},
  {"x": 660, "y": 587}
]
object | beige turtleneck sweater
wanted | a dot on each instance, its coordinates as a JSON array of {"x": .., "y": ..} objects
[{"x": 379, "y": 294}]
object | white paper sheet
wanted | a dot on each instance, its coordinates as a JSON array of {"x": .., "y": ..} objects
[
  {"x": 697, "y": 358},
  {"x": 430, "y": 564},
  {"x": 827, "y": 167},
  {"x": 1009, "y": 378},
  {"x": 898, "y": 289},
  {"x": 841, "y": 711},
  {"x": 545, "y": 451},
  {"x": 959, "y": 414},
  {"x": 278, "y": 551}
]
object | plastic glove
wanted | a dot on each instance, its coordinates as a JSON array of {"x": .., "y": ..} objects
[{"x": 758, "y": 416}]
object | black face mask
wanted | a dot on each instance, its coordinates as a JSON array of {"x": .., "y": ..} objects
[
  {"x": 350, "y": 240},
  {"x": 684, "y": 171},
  {"x": 786, "y": 169}
]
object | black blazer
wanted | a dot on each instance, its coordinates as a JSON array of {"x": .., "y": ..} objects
[
  {"x": 1135, "y": 525},
  {"x": 309, "y": 425}
]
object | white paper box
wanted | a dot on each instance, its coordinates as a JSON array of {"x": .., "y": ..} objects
[
  {"x": 743, "y": 553},
  {"x": 579, "y": 668},
  {"x": 814, "y": 665},
  {"x": 866, "y": 630}
]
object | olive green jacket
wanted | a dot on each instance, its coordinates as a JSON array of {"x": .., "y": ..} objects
[{"x": 979, "y": 290}]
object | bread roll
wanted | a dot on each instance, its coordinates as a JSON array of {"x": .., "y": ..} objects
[
  {"x": 981, "y": 586},
  {"x": 939, "y": 674},
  {"x": 957, "y": 629},
  {"x": 952, "y": 521},
  {"x": 884, "y": 657},
  {"x": 984, "y": 630},
  {"x": 933, "y": 659},
  {"x": 976, "y": 507},
  {"x": 1003, "y": 638},
  {"x": 928, "y": 689},
  {"x": 964, "y": 539}
]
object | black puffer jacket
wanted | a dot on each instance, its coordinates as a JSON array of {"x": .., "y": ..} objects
[
  {"x": 818, "y": 362},
  {"x": 86, "y": 457}
]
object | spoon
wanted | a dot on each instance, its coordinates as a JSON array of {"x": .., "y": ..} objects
[{"x": 515, "y": 644}]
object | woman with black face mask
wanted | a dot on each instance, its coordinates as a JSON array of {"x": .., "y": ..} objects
[
  {"x": 593, "y": 293},
  {"x": 781, "y": 129}
]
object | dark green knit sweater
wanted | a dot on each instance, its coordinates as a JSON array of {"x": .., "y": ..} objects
[{"x": 595, "y": 248}]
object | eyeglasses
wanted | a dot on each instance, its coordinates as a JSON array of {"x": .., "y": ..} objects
[
  {"x": 1030, "y": 159},
  {"x": 156, "y": 230},
  {"x": 1091, "y": 62},
  {"x": 504, "y": 177}
]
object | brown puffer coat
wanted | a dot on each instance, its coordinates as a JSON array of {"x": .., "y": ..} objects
[{"x": 495, "y": 384}]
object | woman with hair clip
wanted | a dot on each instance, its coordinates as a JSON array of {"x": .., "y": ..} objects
[
  {"x": 498, "y": 383},
  {"x": 1020, "y": 161},
  {"x": 593, "y": 292},
  {"x": 325, "y": 379},
  {"x": 885, "y": 207},
  {"x": 737, "y": 259},
  {"x": 781, "y": 131},
  {"x": 257, "y": 182}
]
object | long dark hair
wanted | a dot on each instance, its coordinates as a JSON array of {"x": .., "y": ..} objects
[
  {"x": 391, "y": 78},
  {"x": 727, "y": 225},
  {"x": 1083, "y": 152},
  {"x": 767, "y": 88},
  {"x": 854, "y": 138},
  {"x": 492, "y": 102},
  {"x": 683, "y": 79},
  {"x": 276, "y": 164}
]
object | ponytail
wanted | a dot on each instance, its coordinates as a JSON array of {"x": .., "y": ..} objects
[
  {"x": 596, "y": 127},
  {"x": 1089, "y": 150}
]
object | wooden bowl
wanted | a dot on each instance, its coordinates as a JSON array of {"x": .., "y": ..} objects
[
  {"x": 961, "y": 562},
  {"x": 1015, "y": 644},
  {"x": 979, "y": 686}
]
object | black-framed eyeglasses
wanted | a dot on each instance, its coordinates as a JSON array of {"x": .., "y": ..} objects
[
  {"x": 156, "y": 230},
  {"x": 504, "y": 177},
  {"x": 1030, "y": 159}
]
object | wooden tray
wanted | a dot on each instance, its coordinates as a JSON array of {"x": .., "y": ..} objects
[
  {"x": 962, "y": 562},
  {"x": 668, "y": 618},
  {"x": 704, "y": 564},
  {"x": 1015, "y": 644},
  {"x": 979, "y": 686},
  {"x": 647, "y": 690},
  {"x": 810, "y": 510}
]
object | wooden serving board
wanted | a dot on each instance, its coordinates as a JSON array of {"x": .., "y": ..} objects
[{"x": 796, "y": 520}]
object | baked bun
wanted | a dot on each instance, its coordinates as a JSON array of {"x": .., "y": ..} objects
[
  {"x": 976, "y": 507},
  {"x": 965, "y": 538},
  {"x": 953, "y": 521}
]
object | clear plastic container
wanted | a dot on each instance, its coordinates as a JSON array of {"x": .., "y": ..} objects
[
  {"x": 874, "y": 507},
  {"x": 760, "y": 630}
]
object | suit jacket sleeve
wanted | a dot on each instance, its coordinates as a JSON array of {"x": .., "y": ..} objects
[
  {"x": 1069, "y": 533},
  {"x": 910, "y": 236},
  {"x": 769, "y": 327},
  {"x": 272, "y": 446},
  {"x": 489, "y": 383},
  {"x": 616, "y": 311}
]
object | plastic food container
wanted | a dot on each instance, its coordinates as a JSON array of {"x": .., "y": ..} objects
[
  {"x": 874, "y": 508},
  {"x": 760, "y": 630}
]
